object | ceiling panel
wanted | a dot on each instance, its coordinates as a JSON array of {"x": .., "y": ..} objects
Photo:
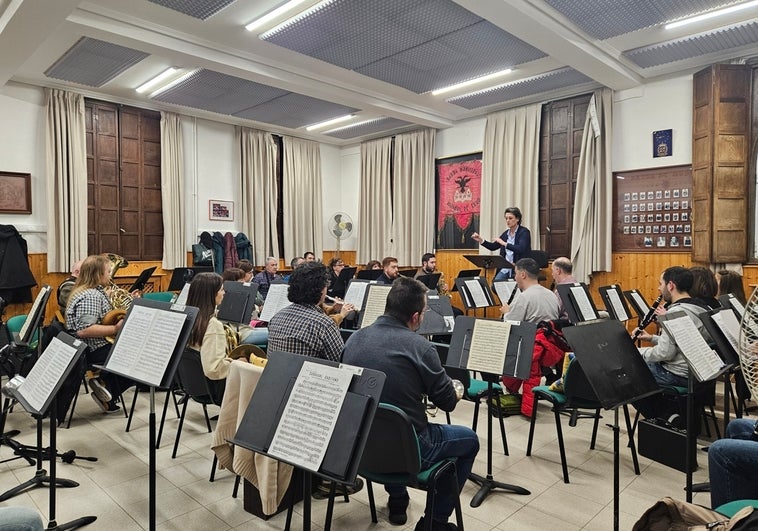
[
  {"x": 295, "y": 110},
  {"x": 93, "y": 62},
  {"x": 201, "y": 9},
  {"x": 368, "y": 128}
]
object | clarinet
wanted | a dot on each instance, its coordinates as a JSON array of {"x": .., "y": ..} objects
[{"x": 650, "y": 317}]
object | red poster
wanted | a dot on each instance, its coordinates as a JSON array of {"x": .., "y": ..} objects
[{"x": 458, "y": 201}]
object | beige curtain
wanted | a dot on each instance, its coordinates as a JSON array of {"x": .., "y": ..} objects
[
  {"x": 375, "y": 228},
  {"x": 259, "y": 192},
  {"x": 302, "y": 199},
  {"x": 172, "y": 192},
  {"x": 66, "y": 161},
  {"x": 591, "y": 232},
  {"x": 413, "y": 196},
  {"x": 510, "y": 171}
]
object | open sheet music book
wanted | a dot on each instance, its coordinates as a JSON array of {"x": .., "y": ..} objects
[
  {"x": 276, "y": 300},
  {"x": 730, "y": 327},
  {"x": 146, "y": 343},
  {"x": 614, "y": 302},
  {"x": 376, "y": 300},
  {"x": 34, "y": 315},
  {"x": 507, "y": 291},
  {"x": 702, "y": 359},
  {"x": 356, "y": 293},
  {"x": 37, "y": 390},
  {"x": 488, "y": 346}
]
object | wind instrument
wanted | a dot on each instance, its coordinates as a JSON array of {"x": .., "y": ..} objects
[
  {"x": 650, "y": 317},
  {"x": 120, "y": 299}
]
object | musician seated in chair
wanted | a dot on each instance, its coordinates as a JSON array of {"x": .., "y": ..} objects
[
  {"x": 87, "y": 306},
  {"x": 664, "y": 359}
]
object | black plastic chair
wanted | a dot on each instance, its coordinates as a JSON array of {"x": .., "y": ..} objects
[
  {"x": 197, "y": 387},
  {"x": 392, "y": 457},
  {"x": 170, "y": 395},
  {"x": 577, "y": 401}
]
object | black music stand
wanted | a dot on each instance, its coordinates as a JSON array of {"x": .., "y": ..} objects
[
  {"x": 506, "y": 290},
  {"x": 238, "y": 303},
  {"x": 136, "y": 355},
  {"x": 698, "y": 371},
  {"x": 184, "y": 275},
  {"x": 730, "y": 301},
  {"x": 638, "y": 303},
  {"x": 431, "y": 280},
  {"x": 577, "y": 302},
  {"x": 144, "y": 276},
  {"x": 489, "y": 261},
  {"x": 374, "y": 301},
  {"x": 464, "y": 274},
  {"x": 617, "y": 374},
  {"x": 345, "y": 447},
  {"x": 518, "y": 361},
  {"x": 37, "y": 395},
  {"x": 438, "y": 319},
  {"x": 369, "y": 274},
  {"x": 466, "y": 291},
  {"x": 615, "y": 303},
  {"x": 722, "y": 323}
]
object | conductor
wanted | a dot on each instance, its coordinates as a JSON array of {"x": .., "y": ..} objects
[{"x": 514, "y": 244}]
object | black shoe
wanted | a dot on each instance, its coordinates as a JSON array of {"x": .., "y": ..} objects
[
  {"x": 436, "y": 525},
  {"x": 398, "y": 507}
]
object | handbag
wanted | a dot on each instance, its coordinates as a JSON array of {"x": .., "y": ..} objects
[{"x": 201, "y": 255}]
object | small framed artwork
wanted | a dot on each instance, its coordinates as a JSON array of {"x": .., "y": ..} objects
[
  {"x": 15, "y": 193},
  {"x": 662, "y": 143},
  {"x": 220, "y": 210}
]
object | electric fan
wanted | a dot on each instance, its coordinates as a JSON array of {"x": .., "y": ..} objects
[
  {"x": 340, "y": 226},
  {"x": 749, "y": 344}
]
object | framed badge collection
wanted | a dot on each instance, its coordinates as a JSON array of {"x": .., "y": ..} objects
[{"x": 652, "y": 210}]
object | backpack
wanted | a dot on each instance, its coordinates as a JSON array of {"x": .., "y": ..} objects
[{"x": 675, "y": 515}]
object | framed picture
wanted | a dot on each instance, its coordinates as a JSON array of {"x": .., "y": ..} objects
[
  {"x": 15, "y": 193},
  {"x": 220, "y": 210}
]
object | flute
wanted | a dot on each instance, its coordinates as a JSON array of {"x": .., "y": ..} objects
[{"x": 650, "y": 317}]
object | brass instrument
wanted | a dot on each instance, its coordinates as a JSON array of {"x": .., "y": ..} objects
[
  {"x": 250, "y": 353},
  {"x": 459, "y": 389},
  {"x": 232, "y": 339},
  {"x": 120, "y": 299}
]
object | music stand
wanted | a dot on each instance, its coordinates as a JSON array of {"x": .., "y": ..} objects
[
  {"x": 37, "y": 394},
  {"x": 614, "y": 301},
  {"x": 431, "y": 280},
  {"x": 489, "y": 261},
  {"x": 347, "y": 274},
  {"x": 516, "y": 361},
  {"x": 724, "y": 328},
  {"x": 144, "y": 276},
  {"x": 475, "y": 293},
  {"x": 374, "y": 301},
  {"x": 276, "y": 300},
  {"x": 618, "y": 376},
  {"x": 730, "y": 301},
  {"x": 369, "y": 274},
  {"x": 507, "y": 291},
  {"x": 183, "y": 275},
  {"x": 439, "y": 318},
  {"x": 410, "y": 273},
  {"x": 638, "y": 303},
  {"x": 577, "y": 302},
  {"x": 148, "y": 349},
  {"x": 465, "y": 273},
  {"x": 238, "y": 303},
  {"x": 267, "y": 410}
]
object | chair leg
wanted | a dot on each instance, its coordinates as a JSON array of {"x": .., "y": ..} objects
[
  {"x": 502, "y": 433},
  {"x": 447, "y": 416},
  {"x": 131, "y": 409},
  {"x": 179, "y": 429},
  {"x": 207, "y": 418},
  {"x": 594, "y": 429},
  {"x": 371, "y": 502},
  {"x": 561, "y": 448},
  {"x": 163, "y": 417},
  {"x": 634, "y": 425},
  {"x": 631, "y": 444},
  {"x": 476, "y": 415},
  {"x": 715, "y": 422},
  {"x": 237, "y": 480},
  {"x": 330, "y": 506},
  {"x": 704, "y": 419},
  {"x": 76, "y": 398},
  {"x": 213, "y": 468},
  {"x": 532, "y": 422},
  {"x": 458, "y": 511}
]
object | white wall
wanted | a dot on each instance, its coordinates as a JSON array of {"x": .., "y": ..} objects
[{"x": 466, "y": 137}]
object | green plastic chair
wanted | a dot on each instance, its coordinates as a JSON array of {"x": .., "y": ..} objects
[
  {"x": 731, "y": 508},
  {"x": 164, "y": 296}
]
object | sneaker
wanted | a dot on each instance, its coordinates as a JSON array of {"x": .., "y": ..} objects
[
  {"x": 397, "y": 506},
  {"x": 98, "y": 388},
  {"x": 108, "y": 407}
]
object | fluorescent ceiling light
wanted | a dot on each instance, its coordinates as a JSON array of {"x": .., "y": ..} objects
[
  {"x": 160, "y": 78},
  {"x": 303, "y": 14},
  {"x": 327, "y": 123},
  {"x": 356, "y": 124},
  {"x": 470, "y": 82},
  {"x": 276, "y": 13},
  {"x": 712, "y": 14},
  {"x": 172, "y": 83}
]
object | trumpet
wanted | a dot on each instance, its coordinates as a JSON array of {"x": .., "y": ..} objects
[{"x": 650, "y": 317}]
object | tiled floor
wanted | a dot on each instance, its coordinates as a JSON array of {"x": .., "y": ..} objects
[{"x": 115, "y": 489}]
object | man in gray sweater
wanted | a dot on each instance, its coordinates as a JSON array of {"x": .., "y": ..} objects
[{"x": 413, "y": 370}]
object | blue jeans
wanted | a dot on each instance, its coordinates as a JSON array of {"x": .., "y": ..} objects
[
  {"x": 20, "y": 519},
  {"x": 664, "y": 377},
  {"x": 437, "y": 442},
  {"x": 733, "y": 464},
  {"x": 503, "y": 274},
  {"x": 655, "y": 406},
  {"x": 257, "y": 336}
]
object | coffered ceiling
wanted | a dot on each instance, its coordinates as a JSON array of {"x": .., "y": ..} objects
[{"x": 375, "y": 62}]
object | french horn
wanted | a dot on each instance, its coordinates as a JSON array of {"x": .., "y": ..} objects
[{"x": 120, "y": 299}]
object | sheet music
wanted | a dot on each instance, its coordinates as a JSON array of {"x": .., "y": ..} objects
[
  {"x": 309, "y": 418},
  {"x": 703, "y": 360},
  {"x": 488, "y": 346},
  {"x": 505, "y": 289},
  {"x": 182, "y": 298},
  {"x": 356, "y": 292},
  {"x": 583, "y": 303},
  {"x": 146, "y": 343},
  {"x": 375, "y": 303},
  {"x": 641, "y": 304},
  {"x": 616, "y": 304},
  {"x": 737, "y": 305},
  {"x": 33, "y": 312},
  {"x": 727, "y": 322},
  {"x": 46, "y": 373},
  {"x": 477, "y": 293},
  {"x": 276, "y": 300}
]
